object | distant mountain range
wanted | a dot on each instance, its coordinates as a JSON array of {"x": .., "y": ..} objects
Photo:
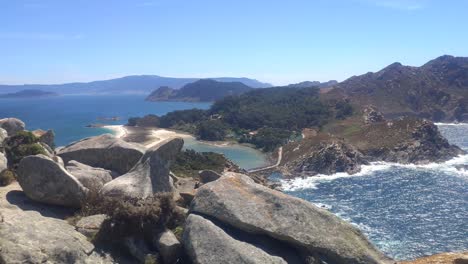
[
  {"x": 28, "y": 94},
  {"x": 137, "y": 84},
  {"x": 204, "y": 90},
  {"x": 438, "y": 90}
]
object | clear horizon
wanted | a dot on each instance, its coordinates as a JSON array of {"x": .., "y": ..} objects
[{"x": 53, "y": 42}]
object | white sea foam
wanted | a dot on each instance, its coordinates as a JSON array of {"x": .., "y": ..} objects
[
  {"x": 451, "y": 124},
  {"x": 312, "y": 182}
]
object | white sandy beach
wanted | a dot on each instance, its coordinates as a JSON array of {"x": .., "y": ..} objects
[{"x": 158, "y": 134}]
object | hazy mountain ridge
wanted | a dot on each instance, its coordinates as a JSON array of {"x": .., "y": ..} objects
[
  {"x": 318, "y": 84},
  {"x": 135, "y": 84},
  {"x": 438, "y": 90},
  {"x": 205, "y": 90},
  {"x": 28, "y": 94}
]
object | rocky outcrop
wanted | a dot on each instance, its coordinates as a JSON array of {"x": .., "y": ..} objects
[
  {"x": 235, "y": 200},
  {"x": 330, "y": 158},
  {"x": 44, "y": 180},
  {"x": 12, "y": 125},
  {"x": 34, "y": 233},
  {"x": 168, "y": 247},
  {"x": 371, "y": 115},
  {"x": 207, "y": 243},
  {"x": 207, "y": 176},
  {"x": 105, "y": 151},
  {"x": 3, "y": 162},
  {"x": 150, "y": 175},
  {"x": 91, "y": 178},
  {"x": 424, "y": 145},
  {"x": 46, "y": 137},
  {"x": 90, "y": 225},
  {"x": 3, "y": 136}
]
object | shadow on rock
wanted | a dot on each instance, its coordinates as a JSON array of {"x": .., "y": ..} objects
[{"x": 19, "y": 199}]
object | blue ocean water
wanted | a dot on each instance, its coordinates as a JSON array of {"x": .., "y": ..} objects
[
  {"x": 68, "y": 116},
  {"x": 407, "y": 211}
]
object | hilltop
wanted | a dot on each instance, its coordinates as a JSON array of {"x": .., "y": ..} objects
[
  {"x": 438, "y": 90},
  {"x": 205, "y": 90}
]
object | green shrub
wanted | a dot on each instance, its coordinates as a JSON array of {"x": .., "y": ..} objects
[
  {"x": 189, "y": 162},
  {"x": 212, "y": 130},
  {"x": 7, "y": 177},
  {"x": 343, "y": 110},
  {"x": 23, "y": 144},
  {"x": 268, "y": 139}
]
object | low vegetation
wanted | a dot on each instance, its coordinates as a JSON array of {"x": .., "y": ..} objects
[
  {"x": 6, "y": 177},
  {"x": 23, "y": 144},
  {"x": 132, "y": 217},
  {"x": 189, "y": 162}
]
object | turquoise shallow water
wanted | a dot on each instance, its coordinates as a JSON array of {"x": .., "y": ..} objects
[
  {"x": 68, "y": 116},
  {"x": 407, "y": 211}
]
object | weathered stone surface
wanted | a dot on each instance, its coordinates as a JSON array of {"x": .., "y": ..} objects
[
  {"x": 46, "y": 137},
  {"x": 207, "y": 176},
  {"x": 237, "y": 201},
  {"x": 91, "y": 178},
  {"x": 35, "y": 233},
  {"x": 3, "y": 136},
  {"x": 330, "y": 158},
  {"x": 44, "y": 180},
  {"x": 90, "y": 225},
  {"x": 105, "y": 151},
  {"x": 3, "y": 162},
  {"x": 207, "y": 243},
  {"x": 186, "y": 188},
  {"x": 168, "y": 247},
  {"x": 12, "y": 125},
  {"x": 150, "y": 175}
]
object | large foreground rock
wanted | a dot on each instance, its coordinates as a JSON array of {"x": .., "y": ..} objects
[
  {"x": 44, "y": 180},
  {"x": 12, "y": 125},
  {"x": 207, "y": 243},
  {"x": 34, "y": 233},
  {"x": 237, "y": 201},
  {"x": 91, "y": 178},
  {"x": 105, "y": 151},
  {"x": 150, "y": 175}
]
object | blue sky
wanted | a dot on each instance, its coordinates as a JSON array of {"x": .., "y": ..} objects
[{"x": 280, "y": 42}]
